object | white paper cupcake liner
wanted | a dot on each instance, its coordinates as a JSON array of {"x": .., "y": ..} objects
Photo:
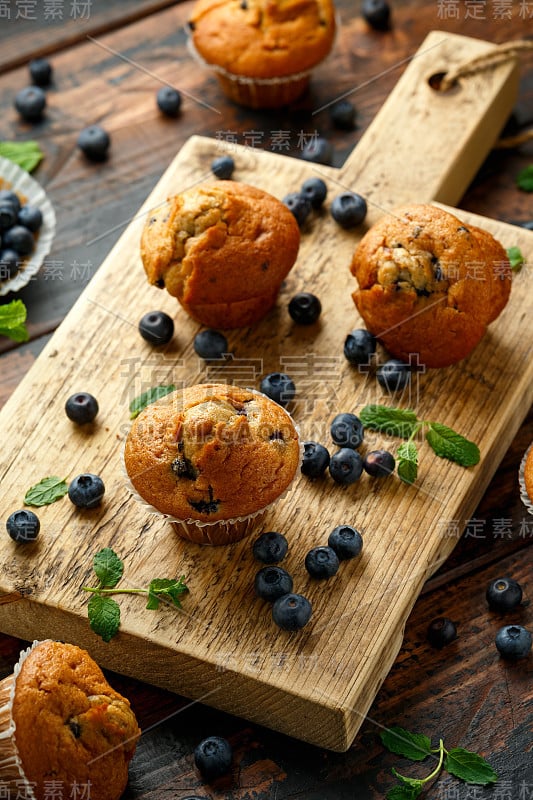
[
  {"x": 522, "y": 482},
  {"x": 19, "y": 181}
]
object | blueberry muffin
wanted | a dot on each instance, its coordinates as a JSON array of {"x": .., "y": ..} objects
[
  {"x": 223, "y": 249},
  {"x": 526, "y": 479},
  {"x": 211, "y": 457},
  {"x": 61, "y": 721},
  {"x": 428, "y": 284},
  {"x": 262, "y": 51}
]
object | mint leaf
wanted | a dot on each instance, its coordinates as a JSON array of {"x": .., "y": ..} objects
[
  {"x": 403, "y": 792},
  {"x": 104, "y": 616},
  {"x": 108, "y": 568},
  {"x": 138, "y": 404},
  {"x": 469, "y": 767},
  {"x": 516, "y": 259},
  {"x": 394, "y": 421},
  {"x": 408, "y": 462},
  {"x": 165, "y": 589},
  {"x": 26, "y": 154},
  {"x": 47, "y": 491},
  {"x": 415, "y": 746},
  {"x": 413, "y": 783},
  {"x": 12, "y": 321},
  {"x": 524, "y": 179},
  {"x": 448, "y": 444}
]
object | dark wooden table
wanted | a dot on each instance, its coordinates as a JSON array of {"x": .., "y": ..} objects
[{"x": 464, "y": 692}]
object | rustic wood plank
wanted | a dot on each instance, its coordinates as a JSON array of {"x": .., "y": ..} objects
[{"x": 42, "y": 588}]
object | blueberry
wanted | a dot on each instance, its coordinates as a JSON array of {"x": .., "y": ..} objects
[
  {"x": 513, "y": 641},
  {"x": 94, "y": 143},
  {"x": 6, "y": 196},
  {"x": 376, "y": 13},
  {"x": 318, "y": 150},
  {"x": 305, "y": 308},
  {"x": 348, "y": 209},
  {"x": 19, "y": 239},
  {"x": 360, "y": 346},
  {"x": 86, "y": 491},
  {"x": 23, "y": 526},
  {"x": 503, "y": 594},
  {"x": 270, "y": 547},
  {"x": 315, "y": 460},
  {"x": 298, "y": 205},
  {"x": 9, "y": 264},
  {"x": 8, "y": 216},
  {"x": 279, "y": 387},
  {"x": 342, "y": 115},
  {"x": 81, "y": 408},
  {"x": 40, "y": 71},
  {"x": 346, "y": 541},
  {"x": 315, "y": 190},
  {"x": 271, "y": 583},
  {"x": 441, "y": 631},
  {"x": 223, "y": 167},
  {"x": 291, "y": 612},
  {"x": 168, "y": 101},
  {"x": 322, "y": 562},
  {"x": 210, "y": 344},
  {"x": 347, "y": 430},
  {"x": 30, "y": 217},
  {"x": 393, "y": 375},
  {"x": 527, "y": 225},
  {"x": 213, "y": 757},
  {"x": 30, "y": 103},
  {"x": 156, "y": 327},
  {"x": 379, "y": 463},
  {"x": 346, "y": 466}
]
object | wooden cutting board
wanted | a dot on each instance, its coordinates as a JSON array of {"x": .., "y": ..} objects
[{"x": 223, "y": 649}]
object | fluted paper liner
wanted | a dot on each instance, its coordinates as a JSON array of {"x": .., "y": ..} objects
[{"x": 527, "y": 501}]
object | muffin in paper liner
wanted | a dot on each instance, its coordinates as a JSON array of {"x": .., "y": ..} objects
[
  {"x": 225, "y": 530},
  {"x": 525, "y": 496}
]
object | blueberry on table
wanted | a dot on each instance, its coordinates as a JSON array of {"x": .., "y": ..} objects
[
  {"x": 272, "y": 582},
  {"x": 30, "y": 103},
  {"x": 291, "y": 612},
  {"x": 30, "y": 217},
  {"x": 279, "y": 387},
  {"x": 315, "y": 190},
  {"x": 393, "y": 375},
  {"x": 318, "y": 150},
  {"x": 7, "y": 196},
  {"x": 346, "y": 466},
  {"x": 298, "y": 205},
  {"x": 156, "y": 327},
  {"x": 379, "y": 463},
  {"x": 503, "y": 594},
  {"x": 94, "y": 143},
  {"x": 40, "y": 71},
  {"x": 8, "y": 216},
  {"x": 86, "y": 490},
  {"x": 347, "y": 430},
  {"x": 81, "y": 408},
  {"x": 315, "y": 460},
  {"x": 223, "y": 167},
  {"x": 270, "y": 548},
  {"x": 305, "y": 308},
  {"x": 9, "y": 264},
  {"x": 20, "y": 239},
  {"x": 376, "y": 13},
  {"x": 168, "y": 100},
  {"x": 359, "y": 346},
  {"x": 348, "y": 209},
  {"x": 342, "y": 115},
  {"x": 210, "y": 344},
  {"x": 441, "y": 631},
  {"x": 513, "y": 641},
  {"x": 322, "y": 562},
  {"x": 213, "y": 757},
  {"x": 346, "y": 541},
  {"x": 23, "y": 526}
]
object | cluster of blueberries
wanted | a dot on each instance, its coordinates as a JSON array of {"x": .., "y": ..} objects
[{"x": 18, "y": 225}]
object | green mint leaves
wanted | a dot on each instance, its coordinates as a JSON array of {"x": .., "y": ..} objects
[
  {"x": 47, "y": 491},
  {"x": 138, "y": 404},
  {"x": 104, "y": 612},
  {"x": 524, "y": 179},
  {"x": 463, "y": 764},
  {"x": 12, "y": 321},
  {"x": 26, "y": 154},
  {"x": 516, "y": 259},
  {"x": 444, "y": 441}
]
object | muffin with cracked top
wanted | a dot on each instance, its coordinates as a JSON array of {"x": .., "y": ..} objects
[
  {"x": 223, "y": 250},
  {"x": 428, "y": 284}
]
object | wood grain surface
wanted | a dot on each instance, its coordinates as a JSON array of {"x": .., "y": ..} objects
[{"x": 224, "y": 650}]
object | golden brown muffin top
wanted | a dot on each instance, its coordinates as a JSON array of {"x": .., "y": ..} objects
[
  {"x": 263, "y": 38},
  {"x": 528, "y": 473},
  {"x": 71, "y": 726},
  {"x": 211, "y": 452}
]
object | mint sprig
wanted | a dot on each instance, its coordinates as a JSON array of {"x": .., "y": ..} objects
[
  {"x": 139, "y": 403},
  {"x": 26, "y": 154},
  {"x": 47, "y": 491},
  {"x": 463, "y": 764},
  {"x": 403, "y": 422},
  {"x": 104, "y": 612},
  {"x": 516, "y": 259},
  {"x": 524, "y": 179},
  {"x": 13, "y": 321}
]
